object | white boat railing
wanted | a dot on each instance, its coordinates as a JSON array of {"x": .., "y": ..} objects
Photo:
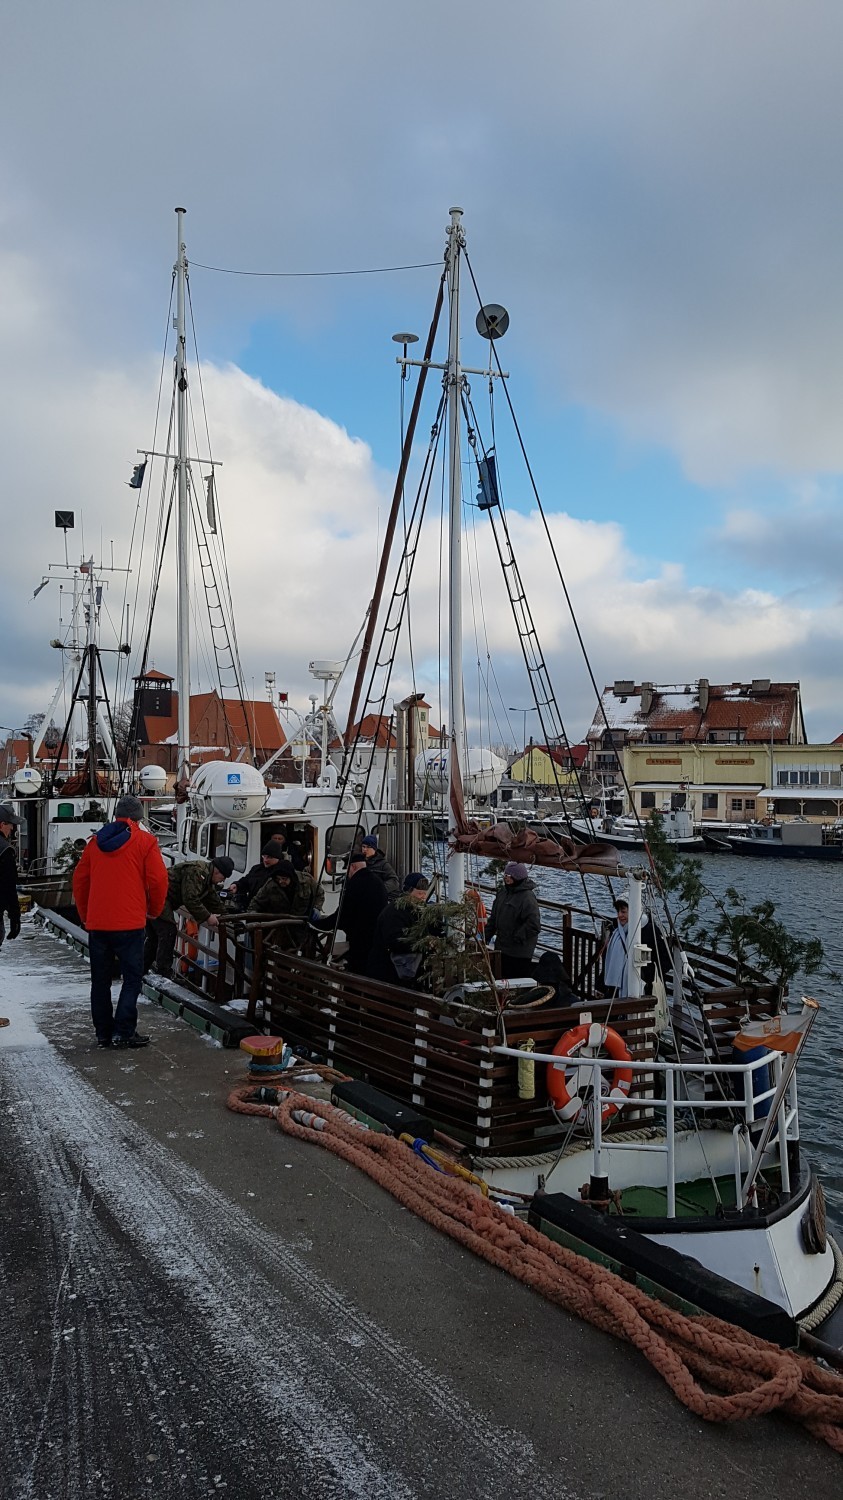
[{"x": 787, "y": 1128}]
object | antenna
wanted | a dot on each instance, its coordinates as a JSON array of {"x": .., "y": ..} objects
[
  {"x": 65, "y": 521},
  {"x": 405, "y": 339}
]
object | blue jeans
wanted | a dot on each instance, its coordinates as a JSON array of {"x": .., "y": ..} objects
[{"x": 127, "y": 949}]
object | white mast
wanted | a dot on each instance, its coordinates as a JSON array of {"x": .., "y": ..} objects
[
  {"x": 182, "y": 530},
  {"x": 456, "y": 240}
]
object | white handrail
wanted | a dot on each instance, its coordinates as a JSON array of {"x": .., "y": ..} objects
[
  {"x": 748, "y": 1105},
  {"x": 651, "y": 1065}
]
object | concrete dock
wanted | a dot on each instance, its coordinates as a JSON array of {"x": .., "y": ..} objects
[{"x": 195, "y": 1304}]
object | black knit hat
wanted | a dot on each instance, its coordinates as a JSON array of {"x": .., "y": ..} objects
[
  {"x": 274, "y": 849},
  {"x": 222, "y": 863},
  {"x": 284, "y": 870}
]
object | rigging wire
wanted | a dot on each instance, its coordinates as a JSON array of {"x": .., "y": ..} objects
[
  {"x": 677, "y": 943},
  {"x": 554, "y": 553},
  {"x": 527, "y": 635},
  {"x": 421, "y": 265},
  {"x": 384, "y": 658},
  {"x": 229, "y": 623},
  {"x": 127, "y": 612}
]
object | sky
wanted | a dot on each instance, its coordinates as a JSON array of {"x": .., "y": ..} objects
[{"x": 650, "y": 189}]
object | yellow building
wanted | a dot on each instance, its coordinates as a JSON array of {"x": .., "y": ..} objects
[
  {"x": 737, "y": 783},
  {"x": 541, "y": 767}
]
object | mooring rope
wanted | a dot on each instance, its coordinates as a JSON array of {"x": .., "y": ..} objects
[{"x": 748, "y": 1376}]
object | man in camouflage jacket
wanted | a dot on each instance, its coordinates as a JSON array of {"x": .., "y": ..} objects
[
  {"x": 287, "y": 893},
  {"x": 191, "y": 885}
]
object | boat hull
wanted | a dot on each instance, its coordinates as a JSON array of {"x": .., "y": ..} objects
[
  {"x": 705, "y": 1272},
  {"x": 772, "y": 849},
  {"x": 581, "y": 831}
]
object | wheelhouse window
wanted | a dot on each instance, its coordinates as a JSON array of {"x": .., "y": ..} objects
[{"x": 238, "y": 845}]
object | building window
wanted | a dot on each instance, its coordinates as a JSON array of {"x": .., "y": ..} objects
[
  {"x": 710, "y": 801},
  {"x": 736, "y": 736},
  {"x": 657, "y": 738},
  {"x": 781, "y": 778},
  {"x": 736, "y": 804},
  {"x": 648, "y": 801},
  {"x": 813, "y": 778},
  {"x": 749, "y": 805}
]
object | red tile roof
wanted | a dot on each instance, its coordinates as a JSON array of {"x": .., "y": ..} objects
[
  {"x": 13, "y": 754},
  {"x": 209, "y": 715},
  {"x": 374, "y": 727}
]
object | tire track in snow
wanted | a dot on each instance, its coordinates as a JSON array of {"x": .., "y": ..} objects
[{"x": 358, "y": 1428}]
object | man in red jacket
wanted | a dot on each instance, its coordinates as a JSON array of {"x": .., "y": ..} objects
[{"x": 120, "y": 880}]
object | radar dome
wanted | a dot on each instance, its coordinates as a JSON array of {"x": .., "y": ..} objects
[
  {"x": 153, "y": 779},
  {"x": 481, "y": 776}
]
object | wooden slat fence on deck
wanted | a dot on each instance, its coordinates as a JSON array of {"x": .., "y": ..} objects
[{"x": 400, "y": 1042}]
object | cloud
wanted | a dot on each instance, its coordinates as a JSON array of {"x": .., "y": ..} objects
[
  {"x": 304, "y": 505},
  {"x": 652, "y": 189},
  {"x": 663, "y": 230}
]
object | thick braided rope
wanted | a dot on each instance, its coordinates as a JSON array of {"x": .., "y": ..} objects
[{"x": 750, "y": 1376}]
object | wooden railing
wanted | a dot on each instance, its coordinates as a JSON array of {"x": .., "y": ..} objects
[{"x": 401, "y": 1041}]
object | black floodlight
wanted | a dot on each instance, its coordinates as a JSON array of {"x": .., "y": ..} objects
[{"x": 64, "y": 520}]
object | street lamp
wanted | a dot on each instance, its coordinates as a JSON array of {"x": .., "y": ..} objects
[{"x": 524, "y": 712}]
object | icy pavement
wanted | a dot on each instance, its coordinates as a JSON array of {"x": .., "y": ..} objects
[{"x": 196, "y": 1305}]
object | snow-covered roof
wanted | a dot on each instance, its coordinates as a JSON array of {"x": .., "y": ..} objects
[{"x": 758, "y": 711}]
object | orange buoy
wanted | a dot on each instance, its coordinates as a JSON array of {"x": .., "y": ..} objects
[{"x": 582, "y": 1042}]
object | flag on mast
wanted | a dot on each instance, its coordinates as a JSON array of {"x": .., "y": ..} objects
[{"x": 780, "y": 1033}]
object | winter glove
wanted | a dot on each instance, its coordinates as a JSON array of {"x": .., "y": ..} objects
[{"x": 14, "y": 926}]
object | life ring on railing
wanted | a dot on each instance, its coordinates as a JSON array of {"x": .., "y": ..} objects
[
  {"x": 568, "y": 1102},
  {"x": 190, "y": 950}
]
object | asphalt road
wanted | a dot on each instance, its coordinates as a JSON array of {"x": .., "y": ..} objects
[{"x": 194, "y": 1304}]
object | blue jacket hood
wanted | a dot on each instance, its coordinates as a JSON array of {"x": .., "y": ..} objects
[{"x": 113, "y": 836}]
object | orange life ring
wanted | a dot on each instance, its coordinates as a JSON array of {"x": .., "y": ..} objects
[
  {"x": 598, "y": 1039},
  {"x": 190, "y": 951}
]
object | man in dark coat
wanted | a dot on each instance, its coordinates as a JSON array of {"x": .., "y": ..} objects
[
  {"x": 515, "y": 922},
  {"x": 9, "y": 904},
  {"x": 249, "y": 884},
  {"x": 361, "y": 903},
  {"x": 380, "y": 866},
  {"x": 393, "y": 958}
]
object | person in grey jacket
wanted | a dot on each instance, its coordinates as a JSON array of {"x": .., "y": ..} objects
[{"x": 515, "y": 922}]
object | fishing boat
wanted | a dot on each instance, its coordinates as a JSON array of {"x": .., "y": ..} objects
[
  {"x": 658, "y": 1131},
  {"x": 654, "y": 1127},
  {"x": 628, "y": 832},
  {"x": 793, "y": 840}
]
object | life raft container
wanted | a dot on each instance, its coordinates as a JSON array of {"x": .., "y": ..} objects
[{"x": 588, "y": 1040}]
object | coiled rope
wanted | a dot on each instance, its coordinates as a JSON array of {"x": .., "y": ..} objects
[{"x": 747, "y": 1376}]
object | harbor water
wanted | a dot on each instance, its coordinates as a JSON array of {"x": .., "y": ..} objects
[{"x": 809, "y": 900}]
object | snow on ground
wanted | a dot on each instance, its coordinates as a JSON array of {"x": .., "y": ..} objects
[{"x": 256, "y": 1306}]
